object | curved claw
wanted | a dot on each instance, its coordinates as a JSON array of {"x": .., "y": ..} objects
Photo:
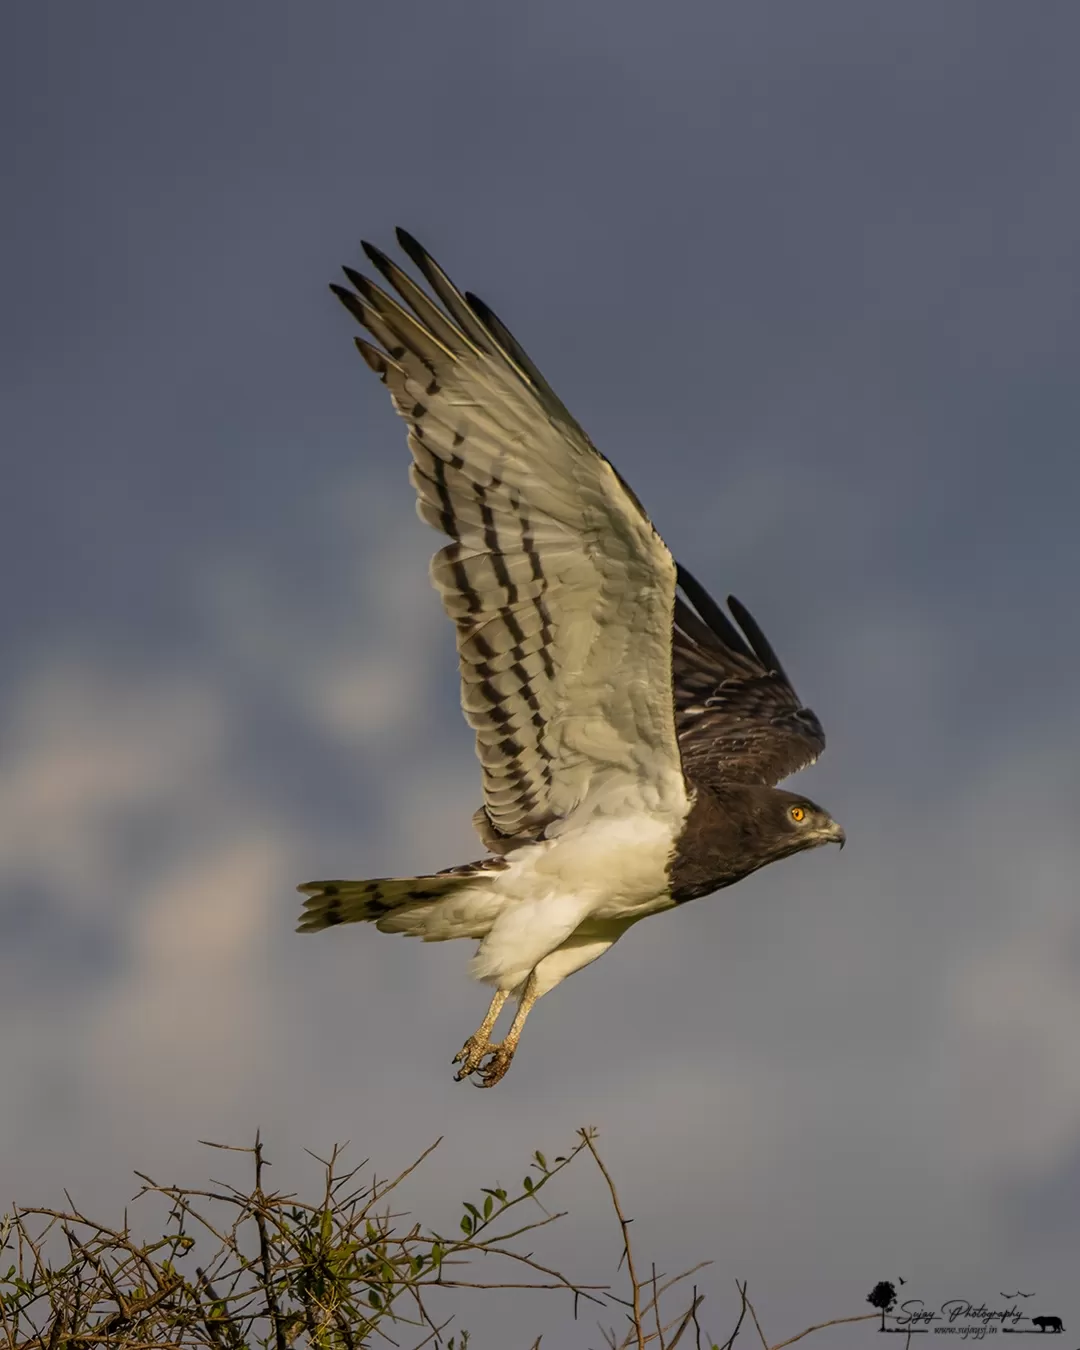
[
  {"x": 495, "y": 1069},
  {"x": 470, "y": 1057},
  {"x": 479, "y": 1047}
]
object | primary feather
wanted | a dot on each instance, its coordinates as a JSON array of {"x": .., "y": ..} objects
[{"x": 739, "y": 718}]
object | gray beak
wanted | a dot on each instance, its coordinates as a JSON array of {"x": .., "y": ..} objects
[{"x": 837, "y": 835}]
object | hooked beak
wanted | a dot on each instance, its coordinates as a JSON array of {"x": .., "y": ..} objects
[{"x": 836, "y": 834}]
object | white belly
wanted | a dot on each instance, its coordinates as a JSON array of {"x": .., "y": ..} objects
[{"x": 606, "y": 869}]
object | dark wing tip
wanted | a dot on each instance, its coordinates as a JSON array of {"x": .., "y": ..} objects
[
  {"x": 514, "y": 350},
  {"x": 350, "y": 300},
  {"x": 416, "y": 251},
  {"x": 763, "y": 648},
  {"x": 504, "y": 338},
  {"x": 377, "y": 258},
  {"x": 711, "y": 613},
  {"x": 491, "y": 320},
  {"x": 699, "y": 632},
  {"x": 483, "y": 310},
  {"x": 364, "y": 286}
]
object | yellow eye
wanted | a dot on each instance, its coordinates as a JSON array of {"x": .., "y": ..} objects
[{"x": 797, "y": 813}]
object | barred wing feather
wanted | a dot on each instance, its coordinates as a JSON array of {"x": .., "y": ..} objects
[{"x": 560, "y": 588}]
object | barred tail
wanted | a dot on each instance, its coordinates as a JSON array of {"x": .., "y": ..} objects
[{"x": 392, "y": 904}]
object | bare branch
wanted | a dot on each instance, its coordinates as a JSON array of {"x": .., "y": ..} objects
[
  {"x": 742, "y": 1314},
  {"x": 272, "y": 1304},
  {"x": 588, "y": 1137},
  {"x": 836, "y": 1321},
  {"x": 341, "y": 1271},
  {"x": 760, "y": 1333}
]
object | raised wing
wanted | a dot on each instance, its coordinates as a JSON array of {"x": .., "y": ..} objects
[
  {"x": 739, "y": 719},
  {"x": 561, "y": 590}
]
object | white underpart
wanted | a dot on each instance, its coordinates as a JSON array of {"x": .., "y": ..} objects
[
  {"x": 580, "y": 949},
  {"x": 562, "y": 902}
]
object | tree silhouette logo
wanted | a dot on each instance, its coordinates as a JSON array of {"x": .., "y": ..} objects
[{"x": 883, "y": 1296}]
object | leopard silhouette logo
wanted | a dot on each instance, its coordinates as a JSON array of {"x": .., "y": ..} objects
[{"x": 1048, "y": 1323}]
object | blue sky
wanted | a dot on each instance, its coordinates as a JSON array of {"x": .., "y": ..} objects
[{"x": 809, "y": 276}]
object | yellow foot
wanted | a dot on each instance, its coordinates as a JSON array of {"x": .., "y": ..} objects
[
  {"x": 470, "y": 1056},
  {"x": 497, "y": 1065}
]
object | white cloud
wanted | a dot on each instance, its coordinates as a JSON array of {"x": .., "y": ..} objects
[
  {"x": 87, "y": 746},
  {"x": 192, "y": 1016}
]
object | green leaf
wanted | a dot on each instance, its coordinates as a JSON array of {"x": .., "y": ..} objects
[
  {"x": 466, "y": 1225},
  {"x": 528, "y": 1184},
  {"x": 541, "y": 1159},
  {"x": 489, "y": 1205}
]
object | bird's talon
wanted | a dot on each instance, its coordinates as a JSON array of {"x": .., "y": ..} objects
[
  {"x": 495, "y": 1069},
  {"x": 469, "y": 1057}
]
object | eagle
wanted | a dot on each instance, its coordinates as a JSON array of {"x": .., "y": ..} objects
[{"x": 630, "y": 733}]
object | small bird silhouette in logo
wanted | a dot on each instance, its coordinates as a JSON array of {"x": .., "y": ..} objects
[
  {"x": 901, "y": 1279},
  {"x": 1019, "y": 1294}
]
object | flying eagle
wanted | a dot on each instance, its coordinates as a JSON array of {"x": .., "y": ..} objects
[{"x": 629, "y": 738}]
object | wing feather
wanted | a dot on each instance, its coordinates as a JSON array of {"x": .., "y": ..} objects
[
  {"x": 739, "y": 718},
  {"x": 561, "y": 591}
]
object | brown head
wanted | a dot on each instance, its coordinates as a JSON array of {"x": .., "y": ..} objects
[
  {"x": 781, "y": 823},
  {"x": 736, "y": 828}
]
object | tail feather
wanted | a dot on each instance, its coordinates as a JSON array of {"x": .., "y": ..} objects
[{"x": 390, "y": 903}]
